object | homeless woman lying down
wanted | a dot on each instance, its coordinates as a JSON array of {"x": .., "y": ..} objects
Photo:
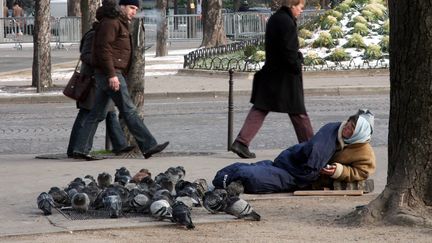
[{"x": 339, "y": 151}]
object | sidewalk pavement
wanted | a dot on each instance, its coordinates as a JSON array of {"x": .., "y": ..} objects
[
  {"x": 23, "y": 178},
  {"x": 165, "y": 77}
]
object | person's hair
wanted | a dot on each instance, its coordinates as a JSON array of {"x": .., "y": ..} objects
[
  {"x": 290, "y": 3},
  {"x": 354, "y": 118}
]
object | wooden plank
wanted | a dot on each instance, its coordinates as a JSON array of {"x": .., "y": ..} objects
[{"x": 329, "y": 193}]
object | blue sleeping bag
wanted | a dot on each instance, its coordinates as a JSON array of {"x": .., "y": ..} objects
[{"x": 296, "y": 167}]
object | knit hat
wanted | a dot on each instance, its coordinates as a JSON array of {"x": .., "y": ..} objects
[
  {"x": 129, "y": 2},
  {"x": 368, "y": 115},
  {"x": 362, "y": 132}
]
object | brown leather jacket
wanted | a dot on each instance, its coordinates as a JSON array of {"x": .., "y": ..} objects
[{"x": 112, "y": 46}]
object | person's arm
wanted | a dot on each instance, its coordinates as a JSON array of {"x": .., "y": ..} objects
[
  {"x": 106, "y": 35},
  {"x": 290, "y": 51},
  {"x": 86, "y": 48},
  {"x": 357, "y": 166}
]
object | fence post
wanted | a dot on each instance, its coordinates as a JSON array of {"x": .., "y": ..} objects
[{"x": 230, "y": 109}]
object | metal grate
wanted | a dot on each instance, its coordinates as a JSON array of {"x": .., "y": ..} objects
[{"x": 71, "y": 214}]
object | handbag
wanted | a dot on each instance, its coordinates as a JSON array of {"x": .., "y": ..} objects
[{"x": 78, "y": 86}]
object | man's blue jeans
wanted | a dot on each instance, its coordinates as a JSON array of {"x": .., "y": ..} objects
[
  {"x": 113, "y": 127},
  {"x": 122, "y": 100}
]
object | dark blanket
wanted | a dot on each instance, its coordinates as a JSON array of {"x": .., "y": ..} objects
[{"x": 296, "y": 167}]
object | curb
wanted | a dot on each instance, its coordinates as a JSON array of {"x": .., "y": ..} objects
[
  {"x": 326, "y": 73},
  {"x": 336, "y": 91}
]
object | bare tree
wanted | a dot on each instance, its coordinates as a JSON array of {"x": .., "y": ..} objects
[
  {"x": 275, "y": 5},
  {"x": 136, "y": 73},
  {"x": 73, "y": 8},
  {"x": 88, "y": 14},
  {"x": 407, "y": 197},
  {"x": 41, "y": 68},
  {"x": 213, "y": 30},
  {"x": 162, "y": 28}
]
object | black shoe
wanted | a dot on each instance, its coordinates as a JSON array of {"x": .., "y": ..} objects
[
  {"x": 242, "y": 150},
  {"x": 87, "y": 157},
  {"x": 155, "y": 149},
  {"x": 127, "y": 149}
]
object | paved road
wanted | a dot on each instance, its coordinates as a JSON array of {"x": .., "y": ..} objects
[{"x": 192, "y": 125}]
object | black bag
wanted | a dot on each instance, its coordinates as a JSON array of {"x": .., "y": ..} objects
[{"x": 78, "y": 86}]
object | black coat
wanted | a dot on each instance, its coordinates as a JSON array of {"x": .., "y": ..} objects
[{"x": 278, "y": 86}]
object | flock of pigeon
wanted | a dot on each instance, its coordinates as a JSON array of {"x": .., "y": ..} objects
[{"x": 167, "y": 196}]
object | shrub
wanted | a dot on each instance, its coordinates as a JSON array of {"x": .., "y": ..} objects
[
  {"x": 302, "y": 42},
  {"x": 378, "y": 10},
  {"x": 328, "y": 22},
  {"x": 361, "y": 29},
  {"x": 259, "y": 56},
  {"x": 385, "y": 28},
  {"x": 384, "y": 43},
  {"x": 372, "y": 52},
  {"x": 249, "y": 51},
  {"x": 360, "y": 2},
  {"x": 343, "y": 7},
  {"x": 368, "y": 15},
  {"x": 336, "y": 32},
  {"x": 338, "y": 15},
  {"x": 360, "y": 19},
  {"x": 324, "y": 40},
  {"x": 312, "y": 58},
  {"x": 305, "y": 34},
  {"x": 339, "y": 55},
  {"x": 355, "y": 41}
]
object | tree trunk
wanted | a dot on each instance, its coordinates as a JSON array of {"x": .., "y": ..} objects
[
  {"x": 236, "y": 5},
  {"x": 275, "y": 5},
  {"x": 162, "y": 29},
  {"x": 136, "y": 73},
  {"x": 88, "y": 14},
  {"x": 213, "y": 30},
  {"x": 41, "y": 68},
  {"x": 73, "y": 8},
  {"x": 407, "y": 197}
]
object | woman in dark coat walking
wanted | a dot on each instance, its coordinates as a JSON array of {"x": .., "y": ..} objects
[{"x": 278, "y": 86}]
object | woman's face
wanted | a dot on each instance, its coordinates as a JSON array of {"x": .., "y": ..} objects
[
  {"x": 348, "y": 129},
  {"x": 297, "y": 9}
]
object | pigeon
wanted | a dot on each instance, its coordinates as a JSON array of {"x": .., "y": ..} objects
[
  {"x": 92, "y": 190},
  {"x": 181, "y": 214},
  {"x": 161, "y": 209},
  {"x": 109, "y": 191},
  {"x": 188, "y": 201},
  {"x": 186, "y": 188},
  {"x": 164, "y": 181},
  {"x": 141, "y": 175},
  {"x": 88, "y": 179},
  {"x": 122, "y": 176},
  {"x": 235, "y": 188},
  {"x": 60, "y": 196},
  {"x": 131, "y": 185},
  {"x": 104, "y": 180},
  {"x": 140, "y": 201},
  {"x": 80, "y": 202},
  {"x": 163, "y": 194},
  {"x": 215, "y": 201},
  {"x": 113, "y": 204},
  {"x": 45, "y": 202},
  {"x": 77, "y": 184},
  {"x": 175, "y": 174},
  {"x": 201, "y": 186},
  {"x": 241, "y": 209}
]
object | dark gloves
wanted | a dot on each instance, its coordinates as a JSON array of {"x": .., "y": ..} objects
[{"x": 300, "y": 57}]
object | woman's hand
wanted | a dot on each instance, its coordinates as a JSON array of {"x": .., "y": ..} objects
[{"x": 328, "y": 170}]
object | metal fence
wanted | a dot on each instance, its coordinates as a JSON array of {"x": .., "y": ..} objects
[{"x": 238, "y": 26}]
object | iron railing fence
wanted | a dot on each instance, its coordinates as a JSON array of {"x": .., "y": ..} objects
[{"x": 238, "y": 26}]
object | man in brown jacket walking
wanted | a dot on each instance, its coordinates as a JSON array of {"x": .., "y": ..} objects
[{"x": 112, "y": 52}]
